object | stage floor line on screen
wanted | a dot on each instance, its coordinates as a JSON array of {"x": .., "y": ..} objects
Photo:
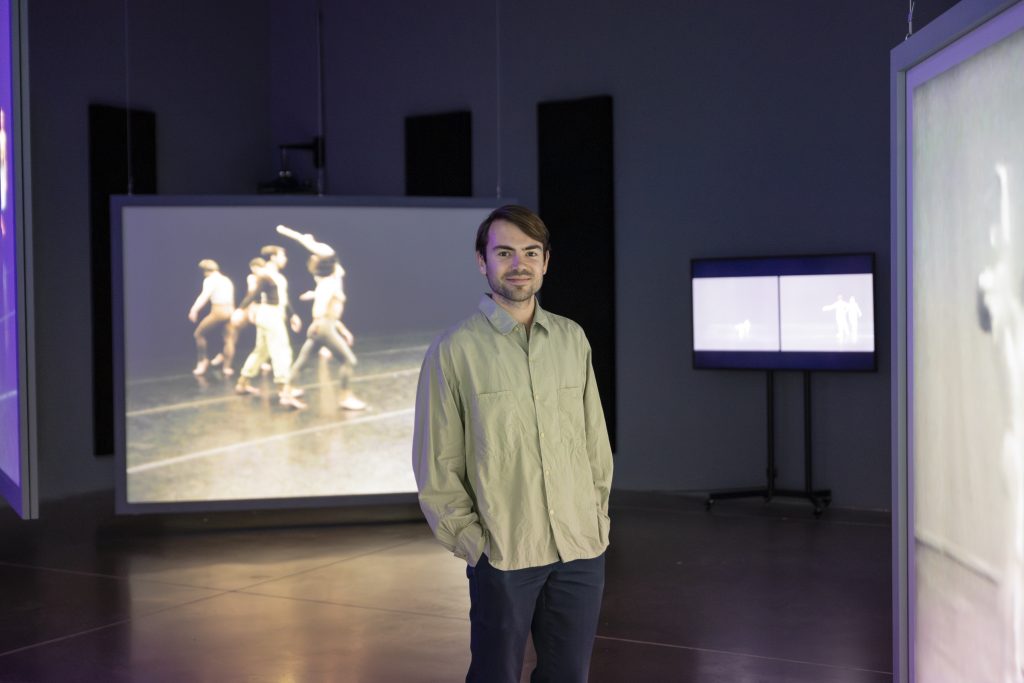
[{"x": 194, "y": 439}]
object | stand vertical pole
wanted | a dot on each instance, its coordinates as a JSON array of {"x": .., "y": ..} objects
[
  {"x": 770, "y": 474},
  {"x": 819, "y": 499},
  {"x": 808, "y": 485}
]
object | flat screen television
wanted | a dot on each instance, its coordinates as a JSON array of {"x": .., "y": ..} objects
[
  {"x": 784, "y": 313},
  {"x": 187, "y": 437}
]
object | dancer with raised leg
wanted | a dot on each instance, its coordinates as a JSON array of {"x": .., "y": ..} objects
[{"x": 327, "y": 331}]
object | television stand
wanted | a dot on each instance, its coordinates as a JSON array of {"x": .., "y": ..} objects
[{"x": 820, "y": 498}]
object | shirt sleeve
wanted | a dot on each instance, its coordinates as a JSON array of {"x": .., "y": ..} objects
[
  {"x": 599, "y": 449},
  {"x": 439, "y": 462},
  {"x": 204, "y": 296}
]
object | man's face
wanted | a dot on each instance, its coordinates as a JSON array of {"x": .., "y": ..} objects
[{"x": 514, "y": 263}]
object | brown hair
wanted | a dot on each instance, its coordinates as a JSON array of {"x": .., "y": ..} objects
[
  {"x": 271, "y": 250},
  {"x": 519, "y": 216}
]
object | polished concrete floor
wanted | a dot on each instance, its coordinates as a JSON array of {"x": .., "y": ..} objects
[{"x": 748, "y": 592}]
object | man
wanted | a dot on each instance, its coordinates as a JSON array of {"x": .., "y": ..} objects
[
  {"x": 272, "y": 342},
  {"x": 219, "y": 291},
  {"x": 513, "y": 463}
]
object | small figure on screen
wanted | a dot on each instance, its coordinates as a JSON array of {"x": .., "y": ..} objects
[
  {"x": 840, "y": 306},
  {"x": 1001, "y": 313},
  {"x": 742, "y": 329},
  {"x": 272, "y": 341},
  {"x": 853, "y": 314},
  {"x": 219, "y": 292}
]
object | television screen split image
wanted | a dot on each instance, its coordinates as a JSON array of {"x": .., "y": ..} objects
[{"x": 784, "y": 313}]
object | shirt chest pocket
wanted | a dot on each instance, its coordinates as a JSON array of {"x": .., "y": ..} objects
[
  {"x": 570, "y": 416},
  {"x": 495, "y": 425}
]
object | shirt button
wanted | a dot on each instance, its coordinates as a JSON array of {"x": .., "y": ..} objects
[
  {"x": 542, "y": 435},
  {"x": 547, "y": 472},
  {"x": 551, "y": 512}
]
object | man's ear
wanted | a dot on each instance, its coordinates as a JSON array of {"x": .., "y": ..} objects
[
  {"x": 481, "y": 264},
  {"x": 547, "y": 257}
]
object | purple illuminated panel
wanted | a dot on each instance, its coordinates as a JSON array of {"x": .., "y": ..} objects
[{"x": 10, "y": 429}]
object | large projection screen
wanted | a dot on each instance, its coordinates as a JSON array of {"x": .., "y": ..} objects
[
  {"x": 17, "y": 465},
  {"x": 187, "y": 437},
  {"x": 958, "y": 383}
]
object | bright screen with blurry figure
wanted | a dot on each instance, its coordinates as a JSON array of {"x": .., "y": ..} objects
[
  {"x": 827, "y": 312},
  {"x": 966, "y": 230},
  {"x": 270, "y": 350},
  {"x": 736, "y": 314}
]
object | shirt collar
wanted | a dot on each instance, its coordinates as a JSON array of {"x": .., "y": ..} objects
[{"x": 502, "y": 321}]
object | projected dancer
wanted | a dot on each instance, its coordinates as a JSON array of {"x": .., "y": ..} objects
[
  {"x": 513, "y": 464},
  {"x": 853, "y": 316},
  {"x": 842, "y": 320},
  {"x": 329, "y": 257},
  {"x": 5, "y": 180},
  {"x": 5, "y": 185},
  {"x": 242, "y": 318},
  {"x": 327, "y": 331},
  {"x": 219, "y": 291},
  {"x": 1000, "y": 286},
  {"x": 272, "y": 309}
]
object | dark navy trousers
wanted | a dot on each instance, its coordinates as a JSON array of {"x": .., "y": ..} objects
[{"x": 558, "y": 603}]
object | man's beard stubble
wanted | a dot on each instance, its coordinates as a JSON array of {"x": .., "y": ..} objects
[{"x": 517, "y": 294}]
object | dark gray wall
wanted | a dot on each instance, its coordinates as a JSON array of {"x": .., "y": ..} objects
[
  {"x": 741, "y": 128},
  {"x": 203, "y": 68}
]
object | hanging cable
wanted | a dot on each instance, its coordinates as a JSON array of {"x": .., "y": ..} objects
[
  {"x": 910, "y": 19},
  {"x": 318, "y": 152},
  {"x": 127, "y": 105},
  {"x": 497, "y": 95}
]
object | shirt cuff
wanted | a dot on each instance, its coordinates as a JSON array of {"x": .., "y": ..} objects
[{"x": 470, "y": 543}]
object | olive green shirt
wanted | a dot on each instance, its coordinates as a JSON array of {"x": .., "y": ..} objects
[{"x": 510, "y": 448}]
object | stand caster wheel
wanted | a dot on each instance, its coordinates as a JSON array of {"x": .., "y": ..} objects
[
  {"x": 708, "y": 503},
  {"x": 817, "y": 511}
]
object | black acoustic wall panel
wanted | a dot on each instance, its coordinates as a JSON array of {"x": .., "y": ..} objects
[
  {"x": 439, "y": 155},
  {"x": 110, "y": 169},
  {"x": 577, "y": 202}
]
